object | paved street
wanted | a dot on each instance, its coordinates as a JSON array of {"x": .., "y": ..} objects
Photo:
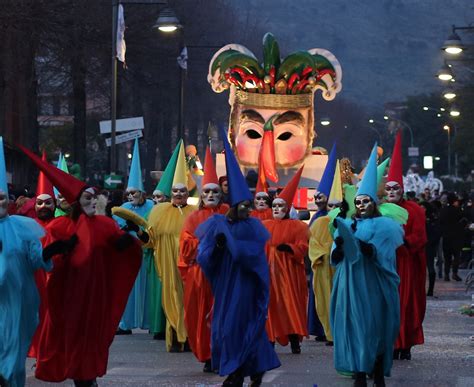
[{"x": 446, "y": 359}]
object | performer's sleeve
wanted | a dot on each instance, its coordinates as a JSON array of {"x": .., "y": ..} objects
[
  {"x": 188, "y": 243},
  {"x": 35, "y": 256},
  {"x": 300, "y": 243},
  {"x": 416, "y": 237}
]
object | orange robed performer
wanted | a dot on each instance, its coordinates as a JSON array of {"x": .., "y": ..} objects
[
  {"x": 44, "y": 210},
  {"x": 198, "y": 299},
  {"x": 286, "y": 250}
]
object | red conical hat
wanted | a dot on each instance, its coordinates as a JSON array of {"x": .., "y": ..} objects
[
  {"x": 210, "y": 175},
  {"x": 288, "y": 193},
  {"x": 395, "y": 173},
  {"x": 70, "y": 187},
  {"x": 44, "y": 185}
]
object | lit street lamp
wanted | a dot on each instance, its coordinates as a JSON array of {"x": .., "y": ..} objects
[
  {"x": 454, "y": 112},
  {"x": 445, "y": 73},
  {"x": 167, "y": 21},
  {"x": 325, "y": 121},
  {"x": 449, "y": 94},
  {"x": 453, "y": 44}
]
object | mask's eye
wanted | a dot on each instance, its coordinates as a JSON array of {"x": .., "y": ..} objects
[
  {"x": 253, "y": 134},
  {"x": 285, "y": 136}
]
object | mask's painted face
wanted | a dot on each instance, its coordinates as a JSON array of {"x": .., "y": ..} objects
[
  {"x": 225, "y": 187},
  {"x": 135, "y": 197},
  {"x": 293, "y": 134},
  {"x": 158, "y": 197},
  {"x": 321, "y": 200},
  {"x": 393, "y": 191},
  {"x": 211, "y": 195},
  {"x": 243, "y": 210},
  {"x": 44, "y": 207},
  {"x": 62, "y": 203},
  {"x": 332, "y": 205},
  {"x": 88, "y": 201},
  {"x": 365, "y": 206},
  {"x": 279, "y": 208},
  {"x": 3, "y": 204},
  {"x": 179, "y": 194},
  {"x": 261, "y": 201}
]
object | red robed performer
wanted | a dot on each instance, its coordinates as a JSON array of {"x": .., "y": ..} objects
[
  {"x": 198, "y": 299},
  {"x": 411, "y": 261},
  {"x": 286, "y": 250},
  {"x": 87, "y": 290}
]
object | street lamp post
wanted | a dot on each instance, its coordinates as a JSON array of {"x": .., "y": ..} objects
[
  {"x": 113, "y": 102},
  {"x": 448, "y": 130}
]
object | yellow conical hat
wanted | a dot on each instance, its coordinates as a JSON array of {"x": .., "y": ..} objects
[
  {"x": 335, "y": 195},
  {"x": 180, "y": 173}
]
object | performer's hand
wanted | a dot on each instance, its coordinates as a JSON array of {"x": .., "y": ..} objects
[
  {"x": 59, "y": 247},
  {"x": 334, "y": 222},
  {"x": 124, "y": 241},
  {"x": 366, "y": 248},
  {"x": 143, "y": 236},
  {"x": 337, "y": 255},
  {"x": 354, "y": 225},
  {"x": 71, "y": 243},
  {"x": 220, "y": 240},
  {"x": 285, "y": 248},
  {"x": 131, "y": 226}
]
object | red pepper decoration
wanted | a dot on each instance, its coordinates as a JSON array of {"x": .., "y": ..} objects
[{"x": 267, "y": 151}]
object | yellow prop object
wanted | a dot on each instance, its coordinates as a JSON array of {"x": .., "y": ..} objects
[{"x": 130, "y": 215}]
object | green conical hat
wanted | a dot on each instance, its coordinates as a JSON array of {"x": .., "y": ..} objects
[
  {"x": 166, "y": 181},
  {"x": 381, "y": 170}
]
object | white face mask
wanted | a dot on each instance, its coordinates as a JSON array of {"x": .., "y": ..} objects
[
  {"x": 134, "y": 197},
  {"x": 179, "y": 195},
  {"x": 261, "y": 201},
  {"x": 365, "y": 206},
  {"x": 279, "y": 208},
  {"x": 44, "y": 207},
  {"x": 158, "y": 197},
  {"x": 88, "y": 201},
  {"x": 393, "y": 191},
  {"x": 211, "y": 195},
  {"x": 3, "y": 204}
]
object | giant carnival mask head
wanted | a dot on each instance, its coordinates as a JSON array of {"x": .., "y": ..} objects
[{"x": 272, "y": 104}]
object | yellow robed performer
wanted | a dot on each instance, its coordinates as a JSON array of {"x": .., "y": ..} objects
[{"x": 165, "y": 222}]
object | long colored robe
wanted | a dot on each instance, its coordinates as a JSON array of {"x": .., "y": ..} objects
[
  {"x": 266, "y": 214},
  {"x": 41, "y": 277},
  {"x": 287, "y": 310},
  {"x": 198, "y": 298},
  {"x": 156, "y": 315},
  {"x": 365, "y": 307},
  {"x": 240, "y": 282},
  {"x": 20, "y": 256},
  {"x": 87, "y": 293},
  {"x": 165, "y": 224},
  {"x": 314, "y": 324},
  {"x": 136, "y": 314},
  {"x": 411, "y": 267},
  {"x": 320, "y": 244}
]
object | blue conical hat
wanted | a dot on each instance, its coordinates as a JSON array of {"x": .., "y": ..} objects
[
  {"x": 368, "y": 185},
  {"x": 135, "y": 181},
  {"x": 328, "y": 174},
  {"x": 3, "y": 169},
  {"x": 238, "y": 189}
]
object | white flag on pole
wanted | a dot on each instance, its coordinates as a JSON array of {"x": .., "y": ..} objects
[
  {"x": 183, "y": 58},
  {"x": 121, "y": 48}
]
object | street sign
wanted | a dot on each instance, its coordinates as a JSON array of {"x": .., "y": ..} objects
[
  {"x": 413, "y": 151},
  {"x": 122, "y": 125},
  {"x": 111, "y": 181},
  {"x": 125, "y": 137}
]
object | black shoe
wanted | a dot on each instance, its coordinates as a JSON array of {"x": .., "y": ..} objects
[
  {"x": 176, "y": 347},
  {"x": 256, "y": 379},
  {"x": 295, "y": 344},
  {"x": 396, "y": 354},
  {"x": 235, "y": 379},
  {"x": 321, "y": 339},
  {"x": 330, "y": 344},
  {"x": 159, "y": 336},
  {"x": 360, "y": 380},
  {"x": 186, "y": 347},
  {"x": 207, "y": 366},
  {"x": 446, "y": 278},
  {"x": 85, "y": 383},
  {"x": 379, "y": 379},
  {"x": 429, "y": 293},
  {"x": 405, "y": 354},
  {"x": 455, "y": 277},
  {"x": 123, "y": 332}
]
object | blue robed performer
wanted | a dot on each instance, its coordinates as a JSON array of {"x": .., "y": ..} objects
[
  {"x": 365, "y": 306},
  {"x": 231, "y": 254}
]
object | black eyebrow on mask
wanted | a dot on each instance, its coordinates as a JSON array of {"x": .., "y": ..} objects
[
  {"x": 288, "y": 116},
  {"x": 253, "y": 115}
]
